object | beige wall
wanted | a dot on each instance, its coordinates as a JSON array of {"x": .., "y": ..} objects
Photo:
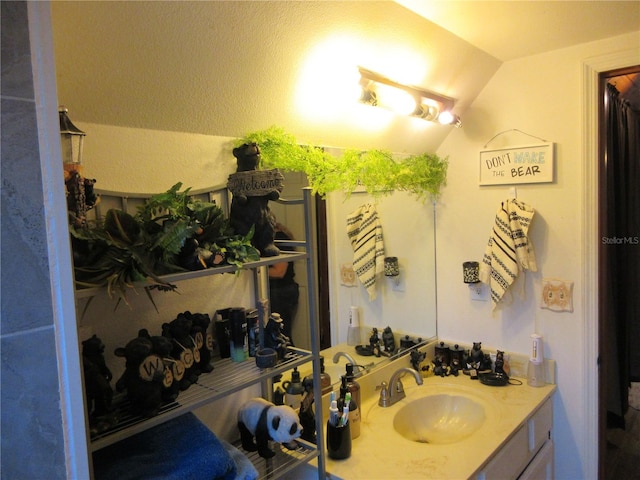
[
  {"x": 540, "y": 95},
  {"x": 543, "y": 96}
]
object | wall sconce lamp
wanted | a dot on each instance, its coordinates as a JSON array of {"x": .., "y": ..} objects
[
  {"x": 71, "y": 138},
  {"x": 380, "y": 91}
]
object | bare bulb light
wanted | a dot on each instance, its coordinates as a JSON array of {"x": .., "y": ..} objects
[{"x": 448, "y": 118}]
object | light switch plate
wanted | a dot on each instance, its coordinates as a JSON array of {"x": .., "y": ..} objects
[{"x": 479, "y": 292}]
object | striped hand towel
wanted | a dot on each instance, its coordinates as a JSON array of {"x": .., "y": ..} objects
[
  {"x": 509, "y": 249},
  {"x": 365, "y": 234}
]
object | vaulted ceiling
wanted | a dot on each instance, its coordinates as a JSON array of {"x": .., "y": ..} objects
[{"x": 226, "y": 68}]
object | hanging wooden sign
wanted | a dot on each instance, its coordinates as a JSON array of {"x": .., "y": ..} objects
[
  {"x": 255, "y": 183},
  {"x": 518, "y": 164}
]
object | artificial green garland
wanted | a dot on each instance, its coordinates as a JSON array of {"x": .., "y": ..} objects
[{"x": 374, "y": 170}]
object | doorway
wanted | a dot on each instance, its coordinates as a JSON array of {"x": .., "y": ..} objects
[{"x": 619, "y": 260}]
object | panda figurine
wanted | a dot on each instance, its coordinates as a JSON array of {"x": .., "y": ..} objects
[{"x": 265, "y": 421}]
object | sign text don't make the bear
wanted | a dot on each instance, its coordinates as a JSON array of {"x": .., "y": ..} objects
[{"x": 522, "y": 164}]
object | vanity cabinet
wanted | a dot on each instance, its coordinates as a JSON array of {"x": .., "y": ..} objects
[
  {"x": 229, "y": 377},
  {"x": 528, "y": 454}
]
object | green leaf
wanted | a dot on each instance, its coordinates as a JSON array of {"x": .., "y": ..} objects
[{"x": 375, "y": 170}]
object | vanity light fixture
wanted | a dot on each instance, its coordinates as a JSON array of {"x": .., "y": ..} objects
[{"x": 380, "y": 91}]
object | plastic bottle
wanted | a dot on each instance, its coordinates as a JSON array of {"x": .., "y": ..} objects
[
  {"x": 253, "y": 332},
  {"x": 239, "y": 346}
]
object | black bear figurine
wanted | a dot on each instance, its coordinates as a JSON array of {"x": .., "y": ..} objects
[{"x": 252, "y": 189}]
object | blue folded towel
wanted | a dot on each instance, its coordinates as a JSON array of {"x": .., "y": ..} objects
[{"x": 180, "y": 449}]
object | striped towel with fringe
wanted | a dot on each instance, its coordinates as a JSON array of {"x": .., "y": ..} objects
[
  {"x": 365, "y": 234},
  {"x": 509, "y": 250}
]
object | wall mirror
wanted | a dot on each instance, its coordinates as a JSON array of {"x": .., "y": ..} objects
[{"x": 162, "y": 87}]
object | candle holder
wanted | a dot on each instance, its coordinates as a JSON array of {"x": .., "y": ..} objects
[
  {"x": 471, "y": 272},
  {"x": 392, "y": 269}
]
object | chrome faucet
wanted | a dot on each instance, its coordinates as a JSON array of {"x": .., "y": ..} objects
[
  {"x": 395, "y": 391},
  {"x": 358, "y": 370},
  {"x": 349, "y": 358}
]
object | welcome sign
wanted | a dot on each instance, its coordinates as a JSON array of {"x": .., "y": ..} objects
[
  {"x": 255, "y": 183},
  {"x": 521, "y": 164}
]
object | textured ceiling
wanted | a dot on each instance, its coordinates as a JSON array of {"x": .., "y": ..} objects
[
  {"x": 513, "y": 29},
  {"x": 227, "y": 68}
]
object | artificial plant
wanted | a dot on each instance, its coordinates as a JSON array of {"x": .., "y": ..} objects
[
  {"x": 374, "y": 170},
  {"x": 124, "y": 249}
]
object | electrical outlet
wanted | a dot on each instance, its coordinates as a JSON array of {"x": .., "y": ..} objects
[
  {"x": 479, "y": 292},
  {"x": 397, "y": 283}
]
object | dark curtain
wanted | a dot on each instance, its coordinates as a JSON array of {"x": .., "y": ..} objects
[{"x": 620, "y": 254}]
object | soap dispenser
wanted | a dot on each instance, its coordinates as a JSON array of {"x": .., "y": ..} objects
[
  {"x": 293, "y": 390},
  {"x": 353, "y": 408},
  {"x": 325, "y": 378},
  {"x": 352, "y": 385}
]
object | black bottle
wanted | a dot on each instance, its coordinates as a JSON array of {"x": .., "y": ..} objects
[
  {"x": 352, "y": 385},
  {"x": 354, "y": 409}
]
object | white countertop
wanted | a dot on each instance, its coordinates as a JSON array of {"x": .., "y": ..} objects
[{"x": 382, "y": 453}]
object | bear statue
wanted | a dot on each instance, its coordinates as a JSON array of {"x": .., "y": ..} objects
[
  {"x": 184, "y": 347},
  {"x": 173, "y": 369},
  {"x": 142, "y": 378},
  {"x": 203, "y": 339},
  {"x": 252, "y": 189},
  {"x": 97, "y": 379}
]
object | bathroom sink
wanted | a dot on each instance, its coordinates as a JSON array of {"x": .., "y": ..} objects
[{"x": 439, "y": 419}]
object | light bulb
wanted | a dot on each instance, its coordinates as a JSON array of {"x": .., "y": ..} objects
[
  {"x": 395, "y": 99},
  {"x": 446, "y": 118}
]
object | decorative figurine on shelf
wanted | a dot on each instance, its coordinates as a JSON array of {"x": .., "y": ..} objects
[
  {"x": 455, "y": 367},
  {"x": 252, "y": 189},
  {"x": 374, "y": 342},
  {"x": 203, "y": 339},
  {"x": 501, "y": 364},
  {"x": 265, "y": 421},
  {"x": 485, "y": 363},
  {"x": 274, "y": 336},
  {"x": 97, "y": 380},
  {"x": 142, "y": 378},
  {"x": 415, "y": 358},
  {"x": 439, "y": 367},
  {"x": 307, "y": 414},
  {"x": 389, "y": 342},
  {"x": 184, "y": 348},
  {"x": 419, "y": 363},
  {"x": 476, "y": 356},
  {"x": 173, "y": 369}
]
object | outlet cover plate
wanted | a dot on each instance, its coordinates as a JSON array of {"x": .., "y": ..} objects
[{"x": 479, "y": 292}]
